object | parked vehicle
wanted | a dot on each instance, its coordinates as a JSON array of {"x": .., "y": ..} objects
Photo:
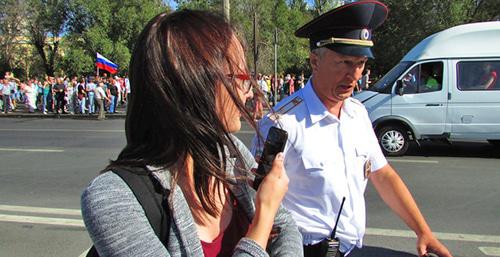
[{"x": 446, "y": 87}]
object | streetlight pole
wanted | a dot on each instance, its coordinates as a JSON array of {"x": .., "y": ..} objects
[
  {"x": 225, "y": 9},
  {"x": 275, "y": 66},
  {"x": 255, "y": 44}
]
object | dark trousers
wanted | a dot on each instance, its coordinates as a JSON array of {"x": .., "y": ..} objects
[
  {"x": 60, "y": 102},
  {"x": 319, "y": 250}
]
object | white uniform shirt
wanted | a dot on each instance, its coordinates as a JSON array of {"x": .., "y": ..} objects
[{"x": 325, "y": 159}]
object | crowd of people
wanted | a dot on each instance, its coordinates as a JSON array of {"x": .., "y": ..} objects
[
  {"x": 76, "y": 95},
  {"x": 269, "y": 91}
]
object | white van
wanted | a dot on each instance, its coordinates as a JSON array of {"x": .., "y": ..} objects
[{"x": 446, "y": 87}]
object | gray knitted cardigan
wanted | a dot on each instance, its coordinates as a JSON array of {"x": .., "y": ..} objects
[{"x": 118, "y": 226}]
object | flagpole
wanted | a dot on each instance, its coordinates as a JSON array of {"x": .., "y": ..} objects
[{"x": 97, "y": 71}]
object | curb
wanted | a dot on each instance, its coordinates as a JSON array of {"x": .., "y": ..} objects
[{"x": 61, "y": 116}]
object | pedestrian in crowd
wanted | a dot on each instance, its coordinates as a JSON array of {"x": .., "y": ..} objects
[
  {"x": 286, "y": 85},
  {"x": 50, "y": 97},
  {"x": 90, "y": 88},
  {"x": 112, "y": 92},
  {"x": 300, "y": 82},
  {"x": 118, "y": 92},
  {"x": 258, "y": 104},
  {"x": 59, "y": 95},
  {"x": 281, "y": 87},
  {"x": 71, "y": 89},
  {"x": 261, "y": 81},
  {"x": 332, "y": 150},
  {"x": 365, "y": 80},
  {"x": 15, "y": 93},
  {"x": 82, "y": 96},
  {"x": 29, "y": 91},
  {"x": 181, "y": 116},
  {"x": 127, "y": 87},
  {"x": 10, "y": 91},
  {"x": 101, "y": 98},
  {"x": 6, "y": 91}
]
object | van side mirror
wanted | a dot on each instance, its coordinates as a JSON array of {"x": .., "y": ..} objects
[{"x": 399, "y": 87}]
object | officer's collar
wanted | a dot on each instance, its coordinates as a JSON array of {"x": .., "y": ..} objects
[{"x": 316, "y": 108}]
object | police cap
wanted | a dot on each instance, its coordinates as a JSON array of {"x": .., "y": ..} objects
[{"x": 346, "y": 29}]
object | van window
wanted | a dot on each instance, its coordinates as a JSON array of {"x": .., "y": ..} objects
[
  {"x": 478, "y": 75},
  {"x": 423, "y": 78},
  {"x": 384, "y": 85}
]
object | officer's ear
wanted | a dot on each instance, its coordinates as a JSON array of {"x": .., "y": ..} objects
[{"x": 314, "y": 59}]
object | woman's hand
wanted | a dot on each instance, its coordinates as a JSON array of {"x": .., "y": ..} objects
[
  {"x": 267, "y": 201},
  {"x": 273, "y": 188}
]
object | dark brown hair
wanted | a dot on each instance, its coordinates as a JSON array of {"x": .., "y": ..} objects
[{"x": 178, "y": 62}]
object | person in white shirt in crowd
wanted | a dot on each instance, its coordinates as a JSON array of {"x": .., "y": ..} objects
[
  {"x": 100, "y": 97},
  {"x": 261, "y": 80},
  {"x": 5, "y": 91},
  {"x": 365, "y": 80}
]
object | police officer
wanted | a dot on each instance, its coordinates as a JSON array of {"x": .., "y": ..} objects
[{"x": 332, "y": 150}]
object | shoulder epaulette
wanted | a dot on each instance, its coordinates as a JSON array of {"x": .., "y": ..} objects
[{"x": 284, "y": 109}]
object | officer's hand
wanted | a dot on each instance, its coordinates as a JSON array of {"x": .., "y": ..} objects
[
  {"x": 274, "y": 187},
  {"x": 427, "y": 243}
]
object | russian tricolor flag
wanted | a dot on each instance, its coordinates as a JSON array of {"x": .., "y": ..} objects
[{"x": 105, "y": 64}]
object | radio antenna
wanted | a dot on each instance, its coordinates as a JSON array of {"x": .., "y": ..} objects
[{"x": 332, "y": 236}]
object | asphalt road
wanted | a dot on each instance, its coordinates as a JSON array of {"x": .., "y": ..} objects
[{"x": 45, "y": 164}]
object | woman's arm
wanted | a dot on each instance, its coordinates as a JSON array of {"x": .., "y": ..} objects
[
  {"x": 116, "y": 221},
  {"x": 268, "y": 215}
]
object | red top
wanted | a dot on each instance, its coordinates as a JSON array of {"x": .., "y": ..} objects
[
  {"x": 223, "y": 245},
  {"x": 494, "y": 75}
]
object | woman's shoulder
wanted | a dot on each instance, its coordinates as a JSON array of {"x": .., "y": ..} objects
[
  {"x": 116, "y": 221},
  {"x": 106, "y": 188}
]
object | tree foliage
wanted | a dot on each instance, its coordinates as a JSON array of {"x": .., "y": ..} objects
[
  {"x": 411, "y": 21},
  {"x": 11, "y": 18},
  {"x": 109, "y": 27},
  {"x": 46, "y": 22}
]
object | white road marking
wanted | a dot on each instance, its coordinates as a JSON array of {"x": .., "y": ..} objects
[
  {"x": 84, "y": 253},
  {"x": 30, "y": 209},
  {"x": 42, "y": 220},
  {"x": 412, "y": 161},
  {"x": 79, "y": 223},
  {"x": 440, "y": 235},
  {"x": 32, "y": 150},
  {"x": 490, "y": 251},
  {"x": 65, "y": 130}
]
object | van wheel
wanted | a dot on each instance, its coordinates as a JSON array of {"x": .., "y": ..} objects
[
  {"x": 393, "y": 140},
  {"x": 495, "y": 142}
]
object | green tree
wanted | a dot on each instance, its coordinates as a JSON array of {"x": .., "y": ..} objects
[
  {"x": 213, "y": 5},
  {"x": 322, "y": 6},
  {"x": 108, "y": 27},
  {"x": 11, "y": 20},
  {"x": 411, "y": 21},
  {"x": 46, "y": 23}
]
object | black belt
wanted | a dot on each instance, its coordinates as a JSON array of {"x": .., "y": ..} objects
[{"x": 319, "y": 250}]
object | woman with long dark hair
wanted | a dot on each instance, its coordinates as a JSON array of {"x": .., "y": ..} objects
[{"x": 190, "y": 81}]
